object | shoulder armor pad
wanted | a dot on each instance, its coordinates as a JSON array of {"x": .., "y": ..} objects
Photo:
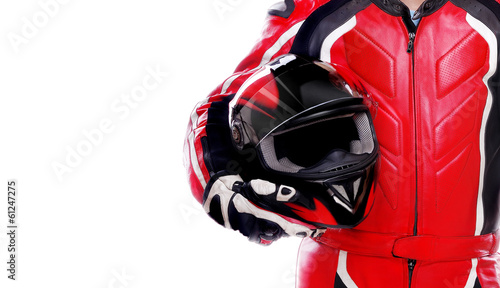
[{"x": 282, "y": 9}]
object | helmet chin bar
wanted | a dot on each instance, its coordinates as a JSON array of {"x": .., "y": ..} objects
[
  {"x": 336, "y": 202},
  {"x": 349, "y": 194}
]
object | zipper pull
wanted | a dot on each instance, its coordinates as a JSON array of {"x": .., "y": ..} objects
[
  {"x": 411, "y": 267},
  {"x": 411, "y": 35},
  {"x": 411, "y": 264}
]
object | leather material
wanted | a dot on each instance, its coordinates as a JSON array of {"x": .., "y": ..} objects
[
  {"x": 435, "y": 248},
  {"x": 428, "y": 120},
  {"x": 427, "y": 133},
  {"x": 434, "y": 137},
  {"x": 316, "y": 265},
  {"x": 420, "y": 248}
]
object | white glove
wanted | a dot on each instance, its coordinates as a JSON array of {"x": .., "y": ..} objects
[{"x": 224, "y": 200}]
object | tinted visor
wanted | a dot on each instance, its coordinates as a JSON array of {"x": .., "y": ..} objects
[{"x": 322, "y": 148}]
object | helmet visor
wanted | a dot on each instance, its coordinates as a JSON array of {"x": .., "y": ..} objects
[{"x": 321, "y": 148}]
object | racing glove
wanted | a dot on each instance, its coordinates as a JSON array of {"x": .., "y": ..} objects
[{"x": 226, "y": 200}]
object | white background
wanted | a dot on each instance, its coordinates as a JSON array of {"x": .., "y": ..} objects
[{"x": 122, "y": 215}]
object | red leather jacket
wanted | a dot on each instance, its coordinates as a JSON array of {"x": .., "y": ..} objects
[{"x": 435, "y": 218}]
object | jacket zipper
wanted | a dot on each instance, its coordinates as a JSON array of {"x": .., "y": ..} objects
[
  {"x": 412, "y": 29},
  {"x": 411, "y": 42}
]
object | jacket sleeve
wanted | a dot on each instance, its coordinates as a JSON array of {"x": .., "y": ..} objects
[{"x": 208, "y": 147}]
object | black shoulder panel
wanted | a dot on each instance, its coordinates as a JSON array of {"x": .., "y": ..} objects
[
  {"x": 492, "y": 5},
  {"x": 282, "y": 9},
  {"x": 322, "y": 22},
  {"x": 489, "y": 16}
]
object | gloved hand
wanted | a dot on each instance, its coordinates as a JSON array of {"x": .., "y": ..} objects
[{"x": 226, "y": 200}]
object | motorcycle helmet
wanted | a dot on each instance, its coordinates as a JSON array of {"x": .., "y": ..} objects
[{"x": 311, "y": 132}]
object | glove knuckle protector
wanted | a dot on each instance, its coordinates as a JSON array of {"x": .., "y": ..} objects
[{"x": 226, "y": 202}]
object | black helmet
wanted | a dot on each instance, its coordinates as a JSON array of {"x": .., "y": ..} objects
[{"x": 311, "y": 131}]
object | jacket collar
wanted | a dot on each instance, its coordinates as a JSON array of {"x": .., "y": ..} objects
[{"x": 397, "y": 8}]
